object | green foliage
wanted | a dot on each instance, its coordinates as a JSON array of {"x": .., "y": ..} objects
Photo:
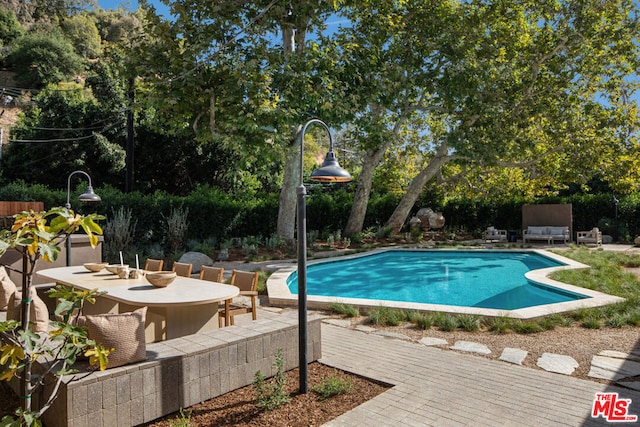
[
  {"x": 175, "y": 231},
  {"x": 10, "y": 28},
  {"x": 345, "y": 309},
  {"x": 591, "y": 322},
  {"x": 385, "y": 316},
  {"x": 272, "y": 396},
  {"x": 44, "y": 58},
  {"x": 82, "y": 147},
  {"x": 424, "y": 321},
  {"x": 83, "y": 34},
  {"x": 469, "y": 322},
  {"x": 118, "y": 235},
  {"x": 333, "y": 386},
  {"x": 527, "y": 327},
  {"x": 445, "y": 322},
  {"x": 499, "y": 324},
  {"x": 182, "y": 420}
]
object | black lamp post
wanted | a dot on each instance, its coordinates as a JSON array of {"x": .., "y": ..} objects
[
  {"x": 615, "y": 218},
  {"x": 87, "y": 196},
  {"x": 330, "y": 171}
]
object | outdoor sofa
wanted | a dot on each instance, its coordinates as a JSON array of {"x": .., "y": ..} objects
[{"x": 547, "y": 234}]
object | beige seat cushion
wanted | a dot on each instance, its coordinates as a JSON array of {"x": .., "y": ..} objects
[
  {"x": 123, "y": 332},
  {"x": 7, "y": 288},
  {"x": 38, "y": 312}
]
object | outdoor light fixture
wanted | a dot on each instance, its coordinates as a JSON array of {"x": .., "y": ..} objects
[
  {"x": 330, "y": 171},
  {"x": 87, "y": 196}
]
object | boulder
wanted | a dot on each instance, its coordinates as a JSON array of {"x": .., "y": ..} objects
[
  {"x": 637, "y": 241},
  {"x": 196, "y": 259},
  {"x": 415, "y": 222},
  {"x": 430, "y": 219}
]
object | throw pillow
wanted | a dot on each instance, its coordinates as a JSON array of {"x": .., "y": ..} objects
[
  {"x": 7, "y": 288},
  {"x": 38, "y": 312},
  {"x": 122, "y": 332}
]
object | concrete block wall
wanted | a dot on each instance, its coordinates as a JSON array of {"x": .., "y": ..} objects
[{"x": 180, "y": 373}]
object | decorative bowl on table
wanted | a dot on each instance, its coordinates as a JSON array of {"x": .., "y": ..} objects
[
  {"x": 113, "y": 268},
  {"x": 160, "y": 279},
  {"x": 94, "y": 266}
]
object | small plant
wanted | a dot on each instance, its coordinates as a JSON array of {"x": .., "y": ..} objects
[
  {"x": 423, "y": 321},
  {"x": 176, "y": 230},
  {"x": 182, "y": 420},
  {"x": 333, "y": 386},
  {"x": 385, "y": 317},
  {"x": 500, "y": 324},
  {"x": 272, "y": 395},
  {"x": 446, "y": 322},
  {"x": 346, "y": 242},
  {"x": 331, "y": 241},
  {"x": 615, "y": 321},
  {"x": 469, "y": 322},
  {"x": 416, "y": 234},
  {"x": 118, "y": 234},
  {"x": 527, "y": 327},
  {"x": 591, "y": 322},
  {"x": 345, "y": 309}
]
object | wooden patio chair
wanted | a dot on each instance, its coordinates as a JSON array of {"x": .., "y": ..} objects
[
  {"x": 247, "y": 281},
  {"x": 212, "y": 274},
  {"x": 182, "y": 269},
  {"x": 154, "y": 264}
]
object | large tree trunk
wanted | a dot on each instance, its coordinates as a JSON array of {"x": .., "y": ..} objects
[
  {"x": 400, "y": 214},
  {"x": 287, "y": 207},
  {"x": 371, "y": 160}
]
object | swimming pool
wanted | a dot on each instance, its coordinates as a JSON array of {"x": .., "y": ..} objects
[{"x": 485, "y": 282}]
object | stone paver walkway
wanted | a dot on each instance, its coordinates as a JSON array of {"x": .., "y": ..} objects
[{"x": 439, "y": 387}]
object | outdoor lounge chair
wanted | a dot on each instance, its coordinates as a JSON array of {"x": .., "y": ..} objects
[
  {"x": 593, "y": 237},
  {"x": 494, "y": 235},
  {"x": 247, "y": 281}
]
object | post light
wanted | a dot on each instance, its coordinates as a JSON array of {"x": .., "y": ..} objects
[
  {"x": 87, "y": 196},
  {"x": 615, "y": 218},
  {"x": 330, "y": 171}
]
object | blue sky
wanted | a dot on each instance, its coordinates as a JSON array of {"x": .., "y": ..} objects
[{"x": 132, "y": 5}]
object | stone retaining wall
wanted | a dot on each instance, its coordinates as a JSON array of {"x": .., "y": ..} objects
[{"x": 180, "y": 373}]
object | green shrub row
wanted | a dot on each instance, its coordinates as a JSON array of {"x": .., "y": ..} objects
[{"x": 214, "y": 214}]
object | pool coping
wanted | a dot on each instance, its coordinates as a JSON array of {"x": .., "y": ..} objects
[{"x": 279, "y": 293}]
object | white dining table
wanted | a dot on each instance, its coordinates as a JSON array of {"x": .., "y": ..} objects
[{"x": 187, "y": 306}]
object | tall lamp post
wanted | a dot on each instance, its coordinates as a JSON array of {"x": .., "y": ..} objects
[
  {"x": 615, "y": 218},
  {"x": 330, "y": 171},
  {"x": 87, "y": 196}
]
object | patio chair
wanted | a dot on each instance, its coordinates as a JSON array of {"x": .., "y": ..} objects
[
  {"x": 212, "y": 274},
  {"x": 494, "y": 235},
  {"x": 182, "y": 269},
  {"x": 593, "y": 236},
  {"x": 247, "y": 281},
  {"x": 153, "y": 264}
]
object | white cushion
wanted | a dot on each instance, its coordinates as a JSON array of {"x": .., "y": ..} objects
[
  {"x": 538, "y": 231},
  {"x": 557, "y": 231}
]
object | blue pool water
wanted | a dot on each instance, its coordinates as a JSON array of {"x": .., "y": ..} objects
[{"x": 483, "y": 279}]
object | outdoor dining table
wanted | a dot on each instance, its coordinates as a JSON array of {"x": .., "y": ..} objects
[{"x": 187, "y": 306}]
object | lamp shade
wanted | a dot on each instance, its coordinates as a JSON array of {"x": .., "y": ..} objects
[
  {"x": 330, "y": 171},
  {"x": 89, "y": 196}
]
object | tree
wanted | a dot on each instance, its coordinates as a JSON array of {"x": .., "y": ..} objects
[
  {"x": 10, "y": 28},
  {"x": 70, "y": 129},
  {"x": 42, "y": 58},
  {"x": 83, "y": 34},
  {"x": 39, "y": 235}
]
